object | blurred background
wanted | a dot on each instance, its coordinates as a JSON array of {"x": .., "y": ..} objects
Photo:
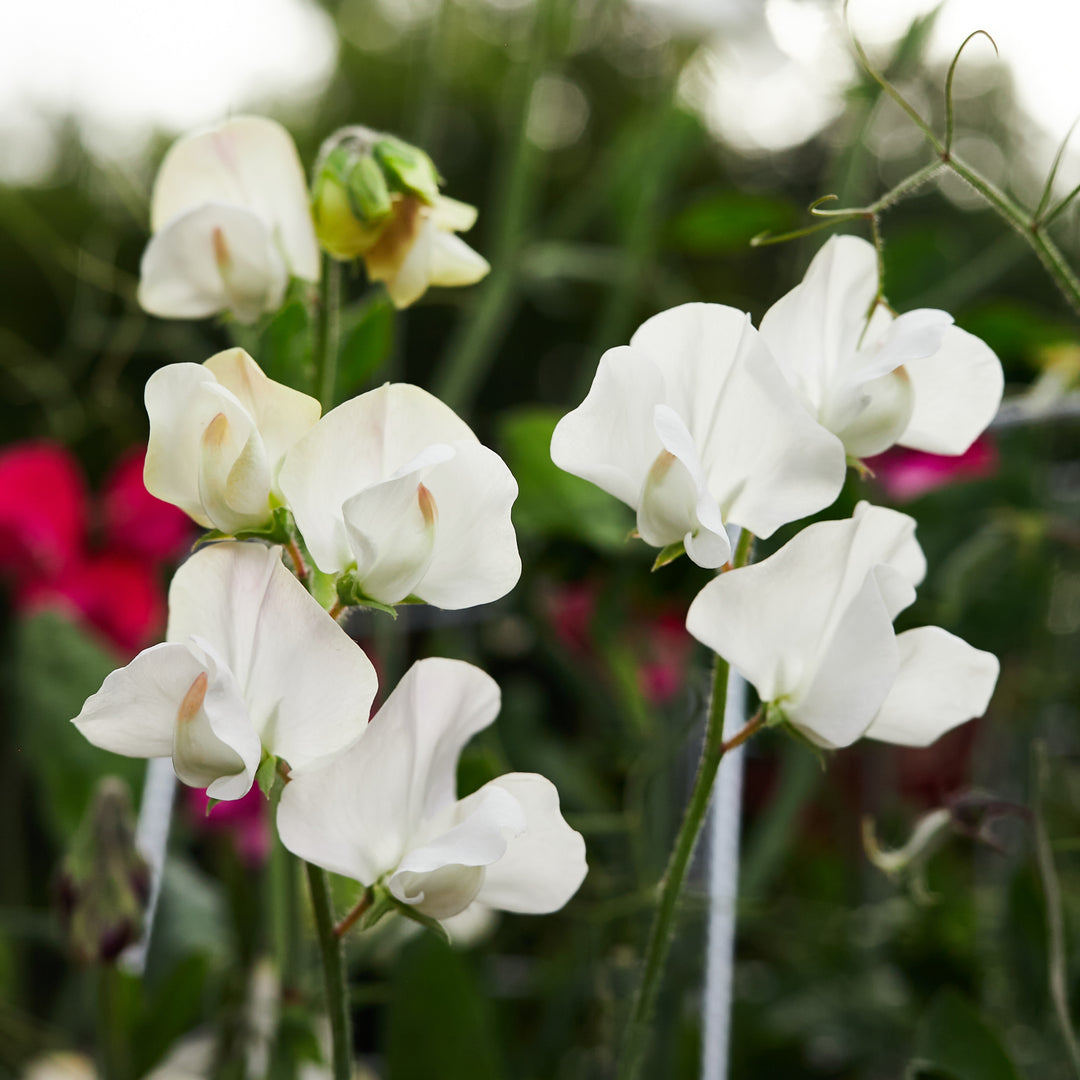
[{"x": 622, "y": 155}]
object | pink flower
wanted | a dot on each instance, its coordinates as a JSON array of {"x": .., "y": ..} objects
[
  {"x": 667, "y": 647},
  {"x": 44, "y": 548},
  {"x": 244, "y": 821},
  {"x": 907, "y": 474}
]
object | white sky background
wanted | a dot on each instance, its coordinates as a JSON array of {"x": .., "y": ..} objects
[{"x": 125, "y": 67}]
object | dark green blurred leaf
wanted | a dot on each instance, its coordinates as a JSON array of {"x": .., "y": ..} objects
[
  {"x": 173, "y": 1008},
  {"x": 57, "y": 667},
  {"x": 440, "y": 1021},
  {"x": 954, "y": 1042},
  {"x": 1015, "y": 330},
  {"x": 366, "y": 343},
  {"x": 726, "y": 221},
  {"x": 283, "y": 347},
  {"x": 551, "y": 502}
]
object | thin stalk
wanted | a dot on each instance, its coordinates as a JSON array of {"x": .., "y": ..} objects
[
  {"x": 1055, "y": 922},
  {"x": 367, "y": 898},
  {"x": 337, "y": 998},
  {"x": 327, "y": 333},
  {"x": 671, "y": 887}
]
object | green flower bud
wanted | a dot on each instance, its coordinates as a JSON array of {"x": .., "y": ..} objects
[{"x": 103, "y": 883}]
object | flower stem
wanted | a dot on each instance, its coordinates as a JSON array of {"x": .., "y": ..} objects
[
  {"x": 367, "y": 898},
  {"x": 337, "y": 998},
  {"x": 327, "y": 331},
  {"x": 663, "y": 927}
]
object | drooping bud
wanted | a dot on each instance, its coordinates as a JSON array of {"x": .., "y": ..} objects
[{"x": 103, "y": 883}]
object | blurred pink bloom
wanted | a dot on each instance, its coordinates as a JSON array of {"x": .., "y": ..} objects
[
  {"x": 668, "y": 649},
  {"x": 907, "y": 474},
  {"x": 245, "y": 821},
  {"x": 45, "y": 553},
  {"x": 43, "y": 509},
  {"x": 136, "y": 522}
]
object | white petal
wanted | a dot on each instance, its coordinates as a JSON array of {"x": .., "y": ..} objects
[
  {"x": 452, "y": 215},
  {"x": 413, "y": 275},
  {"x": 134, "y": 712},
  {"x": 475, "y": 558},
  {"x": 766, "y": 460},
  {"x": 544, "y": 865},
  {"x": 774, "y": 620},
  {"x": 392, "y": 529},
  {"x": 957, "y": 392},
  {"x": 876, "y": 415},
  {"x": 198, "y": 433},
  {"x": 910, "y": 336},
  {"x": 675, "y": 503},
  {"x": 453, "y": 262},
  {"x": 854, "y": 673},
  {"x": 281, "y": 414},
  {"x": 214, "y": 744},
  {"x": 210, "y": 259},
  {"x": 359, "y": 813},
  {"x": 814, "y": 330},
  {"x": 307, "y": 685},
  {"x": 360, "y": 443},
  {"x": 943, "y": 682},
  {"x": 610, "y": 438},
  {"x": 248, "y": 161},
  {"x": 444, "y": 875}
]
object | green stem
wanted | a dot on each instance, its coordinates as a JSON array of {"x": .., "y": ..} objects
[
  {"x": 663, "y": 926},
  {"x": 337, "y": 999},
  {"x": 1055, "y": 923},
  {"x": 113, "y": 1042},
  {"x": 327, "y": 333}
]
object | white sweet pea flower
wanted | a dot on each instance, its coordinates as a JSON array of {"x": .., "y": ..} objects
[
  {"x": 394, "y": 487},
  {"x": 811, "y": 628},
  {"x": 419, "y": 248},
  {"x": 231, "y": 223},
  {"x": 251, "y": 663},
  {"x": 913, "y": 379},
  {"x": 693, "y": 426},
  {"x": 387, "y": 812},
  {"x": 219, "y": 432}
]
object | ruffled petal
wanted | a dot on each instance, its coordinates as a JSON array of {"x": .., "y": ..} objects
[
  {"x": 610, "y": 438},
  {"x": 766, "y": 461},
  {"x": 210, "y": 259},
  {"x": 443, "y": 876},
  {"x": 134, "y": 713},
  {"x": 545, "y": 864},
  {"x": 308, "y": 686},
  {"x": 248, "y": 161},
  {"x": 453, "y": 262},
  {"x": 957, "y": 393},
  {"x": 360, "y": 443},
  {"x": 943, "y": 682},
  {"x": 359, "y": 813},
  {"x": 282, "y": 415}
]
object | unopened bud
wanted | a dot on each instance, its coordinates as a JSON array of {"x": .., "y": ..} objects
[
  {"x": 103, "y": 883},
  {"x": 362, "y": 180}
]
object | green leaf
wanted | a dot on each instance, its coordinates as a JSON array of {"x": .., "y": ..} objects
[
  {"x": 954, "y": 1042},
  {"x": 57, "y": 666},
  {"x": 441, "y": 1022},
  {"x": 726, "y": 221},
  {"x": 366, "y": 344},
  {"x": 282, "y": 346},
  {"x": 669, "y": 554},
  {"x": 551, "y": 502}
]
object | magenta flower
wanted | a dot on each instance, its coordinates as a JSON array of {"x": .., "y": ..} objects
[{"x": 907, "y": 474}]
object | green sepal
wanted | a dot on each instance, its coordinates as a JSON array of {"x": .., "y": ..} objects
[
  {"x": 381, "y": 906},
  {"x": 350, "y": 594},
  {"x": 267, "y": 776},
  {"x": 864, "y": 470},
  {"x": 425, "y": 921},
  {"x": 669, "y": 554},
  {"x": 210, "y": 804},
  {"x": 369, "y": 197},
  {"x": 278, "y": 530},
  {"x": 407, "y": 168}
]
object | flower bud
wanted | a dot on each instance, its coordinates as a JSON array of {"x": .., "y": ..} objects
[{"x": 104, "y": 883}]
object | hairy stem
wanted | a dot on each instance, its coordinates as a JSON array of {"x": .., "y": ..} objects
[{"x": 337, "y": 998}]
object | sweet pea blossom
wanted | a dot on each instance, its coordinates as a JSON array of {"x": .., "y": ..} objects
[
  {"x": 386, "y": 812},
  {"x": 231, "y": 224},
  {"x": 811, "y": 628},
  {"x": 872, "y": 378},
  {"x": 219, "y": 432},
  {"x": 693, "y": 426},
  {"x": 251, "y": 663},
  {"x": 394, "y": 488},
  {"x": 419, "y": 248}
]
